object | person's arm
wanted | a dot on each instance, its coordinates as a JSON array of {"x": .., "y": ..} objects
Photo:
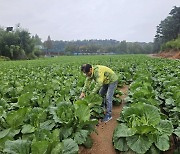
[{"x": 86, "y": 85}]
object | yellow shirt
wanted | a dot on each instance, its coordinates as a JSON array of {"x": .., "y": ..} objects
[{"x": 101, "y": 75}]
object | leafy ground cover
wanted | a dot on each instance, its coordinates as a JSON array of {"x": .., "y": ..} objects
[{"x": 40, "y": 111}]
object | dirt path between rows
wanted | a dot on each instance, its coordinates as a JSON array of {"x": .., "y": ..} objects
[{"x": 102, "y": 140}]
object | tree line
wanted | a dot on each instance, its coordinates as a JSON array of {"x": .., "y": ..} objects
[{"x": 97, "y": 47}]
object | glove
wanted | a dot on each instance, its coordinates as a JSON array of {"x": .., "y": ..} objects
[{"x": 82, "y": 95}]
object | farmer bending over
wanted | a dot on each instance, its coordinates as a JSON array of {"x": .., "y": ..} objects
[{"x": 105, "y": 82}]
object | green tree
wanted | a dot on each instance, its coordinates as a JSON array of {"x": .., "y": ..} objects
[
  {"x": 122, "y": 47},
  {"x": 71, "y": 48},
  {"x": 36, "y": 40},
  {"x": 38, "y": 45},
  {"x": 148, "y": 47},
  {"x": 25, "y": 41},
  {"x": 48, "y": 45},
  {"x": 16, "y": 44},
  {"x": 17, "y": 52},
  {"x": 175, "y": 13},
  {"x": 6, "y": 40},
  {"x": 168, "y": 29}
]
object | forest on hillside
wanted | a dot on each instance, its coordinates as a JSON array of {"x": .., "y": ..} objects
[{"x": 168, "y": 32}]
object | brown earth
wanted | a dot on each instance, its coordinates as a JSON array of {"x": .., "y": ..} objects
[
  {"x": 102, "y": 140},
  {"x": 168, "y": 54}
]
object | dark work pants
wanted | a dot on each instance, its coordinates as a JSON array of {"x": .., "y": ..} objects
[{"x": 107, "y": 92}]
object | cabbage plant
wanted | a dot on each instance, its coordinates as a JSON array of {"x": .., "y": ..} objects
[{"x": 141, "y": 129}]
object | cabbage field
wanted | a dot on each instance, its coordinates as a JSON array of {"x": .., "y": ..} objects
[{"x": 41, "y": 113}]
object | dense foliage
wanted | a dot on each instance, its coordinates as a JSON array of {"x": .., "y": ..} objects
[
  {"x": 171, "y": 45},
  {"x": 18, "y": 44}
]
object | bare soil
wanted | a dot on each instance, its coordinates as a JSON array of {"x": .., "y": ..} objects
[
  {"x": 168, "y": 54},
  {"x": 102, "y": 140}
]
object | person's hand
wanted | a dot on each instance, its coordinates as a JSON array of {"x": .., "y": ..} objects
[{"x": 82, "y": 95}]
